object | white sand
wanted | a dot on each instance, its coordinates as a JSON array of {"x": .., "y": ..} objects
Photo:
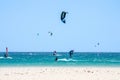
[{"x": 60, "y": 73}]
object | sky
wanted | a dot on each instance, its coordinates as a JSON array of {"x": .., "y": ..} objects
[{"x": 88, "y": 23}]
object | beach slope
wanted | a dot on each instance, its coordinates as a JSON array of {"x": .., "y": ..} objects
[{"x": 59, "y": 73}]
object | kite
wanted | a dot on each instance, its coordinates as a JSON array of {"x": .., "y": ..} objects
[{"x": 63, "y": 15}]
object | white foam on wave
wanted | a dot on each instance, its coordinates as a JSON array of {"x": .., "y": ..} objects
[
  {"x": 1, "y": 57},
  {"x": 9, "y": 58},
  {"x": 64, "y": 59}
]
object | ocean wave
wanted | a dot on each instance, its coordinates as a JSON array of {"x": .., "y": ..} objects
[
  {"x": 112, "y": 61},
  {"x": 64, "y": 59},
  {"x": 31, "y": 54},
  {"x": 1, "y": 57},
  {"x": 9, "y": 58},
  {"x": 117, "y": 61}
]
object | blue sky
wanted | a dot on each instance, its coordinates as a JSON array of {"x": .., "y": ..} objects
[{"x": 88, "y": 22}]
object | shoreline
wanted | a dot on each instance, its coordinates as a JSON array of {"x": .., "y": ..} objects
[
  {"x": 97, "y": 66},
  {"x": 63, "y": 66}
]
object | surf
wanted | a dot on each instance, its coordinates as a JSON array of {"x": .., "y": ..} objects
[
  {"x": 1, "y": 57},
  {"x": 67, "y": 60}
]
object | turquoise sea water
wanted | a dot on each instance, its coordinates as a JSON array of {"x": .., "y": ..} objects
[{"x": 47, "y": 59}]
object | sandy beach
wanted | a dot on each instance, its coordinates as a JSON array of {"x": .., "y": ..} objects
[{"x": 59, "y": 73}]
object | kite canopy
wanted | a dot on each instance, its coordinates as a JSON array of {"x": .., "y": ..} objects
[
  {"x": 50, "y": 33},
  {"x": 37, "y": 34},
  {"x": 98, "y": 43},
  {"x": 63, "y": 15}
]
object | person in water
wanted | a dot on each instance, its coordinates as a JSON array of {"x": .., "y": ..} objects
[
  {"x": 56, "y": 59},
  {"x": 6, "y": 54},
  {"x": 54, "y": 53},
  {"x": 71, "y": 53}
]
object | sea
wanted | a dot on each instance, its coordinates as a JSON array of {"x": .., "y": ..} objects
[{"x": 108, "y": 59}]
